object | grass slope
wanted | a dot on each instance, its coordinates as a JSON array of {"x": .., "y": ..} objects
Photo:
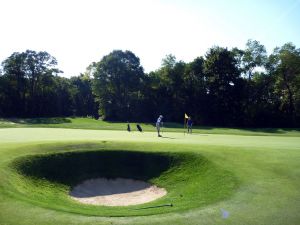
[
  {"x": 186, "y": 176},
  {"x": 267, "y": 169}
]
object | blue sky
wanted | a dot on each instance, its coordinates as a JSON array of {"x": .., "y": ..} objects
[{"x": 79, "y": 32}]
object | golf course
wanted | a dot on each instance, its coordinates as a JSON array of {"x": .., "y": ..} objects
[
  {"x": 150, "y": 112},
  {"x": 212, "y": 176}
]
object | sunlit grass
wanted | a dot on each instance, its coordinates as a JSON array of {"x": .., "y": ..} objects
[
  {"x": 92, "y": 124},
  {"x": 265, "y": 171}
]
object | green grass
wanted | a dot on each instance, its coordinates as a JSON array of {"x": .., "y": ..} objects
[
  {"x": 186, "y": 177},
  {"x": 254, "y": 176},
  {"x": 92, "y": 124}
]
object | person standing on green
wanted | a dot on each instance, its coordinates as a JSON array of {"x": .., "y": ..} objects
[
  {"x": 189, "y": 124},
  {"x": 159, "y": 124}
]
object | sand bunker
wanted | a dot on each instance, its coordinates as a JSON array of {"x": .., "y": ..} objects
[{"x": 116, "y": 192}]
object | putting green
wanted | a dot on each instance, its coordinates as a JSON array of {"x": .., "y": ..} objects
[{"x": 218, "y": 179}]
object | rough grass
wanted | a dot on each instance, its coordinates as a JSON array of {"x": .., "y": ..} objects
[{"x": 266, "y": 169}]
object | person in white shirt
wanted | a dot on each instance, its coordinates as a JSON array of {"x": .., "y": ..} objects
[{"x": 159, "y": 124}]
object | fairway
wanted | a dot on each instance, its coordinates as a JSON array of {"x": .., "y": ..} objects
[{"x": 213, "y": 178}]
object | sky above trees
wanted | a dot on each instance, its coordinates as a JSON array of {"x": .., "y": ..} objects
[{"x": 79, "y": 32}]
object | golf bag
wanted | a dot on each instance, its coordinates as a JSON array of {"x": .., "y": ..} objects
[
  {"x": 139, "y": 128},
  {"x": 128, "y": 127}
]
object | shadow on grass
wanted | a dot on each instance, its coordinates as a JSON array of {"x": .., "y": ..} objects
[
  {"x": 130, "y": 122},
  {"x": 71, "y": 168},
  {"x": 51, "y": 120},
  {"x": 168, "y": 137},
  {"x": 272, "y": 130},
  {"x": 254, "y": 130}
]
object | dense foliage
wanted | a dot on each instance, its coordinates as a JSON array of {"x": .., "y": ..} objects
[{"x": 226, "y": 87}]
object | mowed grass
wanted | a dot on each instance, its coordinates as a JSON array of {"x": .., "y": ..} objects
[
  {"x": 92, "y": 124},
  {"x": 264, "y": 168},
  {"x": 190, "y": 179}
]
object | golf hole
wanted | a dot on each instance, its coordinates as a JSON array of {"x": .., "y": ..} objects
[{"x": 116, "y": 192}]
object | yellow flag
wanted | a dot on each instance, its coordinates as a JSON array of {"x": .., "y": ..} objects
[{"x": 186, "y": 116}]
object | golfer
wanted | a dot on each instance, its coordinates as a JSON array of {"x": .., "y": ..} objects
[
  {"x": 159, "y": 124},
  {"x": 189, "y": 125}
]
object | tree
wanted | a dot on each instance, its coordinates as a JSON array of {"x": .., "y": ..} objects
[
  {"x": 168, "y": 89},
  {"x": 30, "y": 76},
  {"x": 224, "y": 86},
  {"x": 237, "y": 87},
  {"x": 62, "y": 97},
  {"x": 255, "y": 55},
  {"x": 39, "y": 68},
  {"x": 118, "y": 78},
  {"x": 82, "y": 96},
  {"x": 195, "y": 91},
  {"x": 284, "y": 64},
  {"x": 261, "y": 106},
  {"x": 4, "y": 99},
  {"x": 14, "y": 74},
  {"x": 169, "y": 61}
]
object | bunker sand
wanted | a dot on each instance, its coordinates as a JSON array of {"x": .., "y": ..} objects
[{"x": 116, "y": 192}]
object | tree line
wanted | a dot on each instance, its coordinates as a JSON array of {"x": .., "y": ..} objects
[{"x": 225, "y": 87}]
